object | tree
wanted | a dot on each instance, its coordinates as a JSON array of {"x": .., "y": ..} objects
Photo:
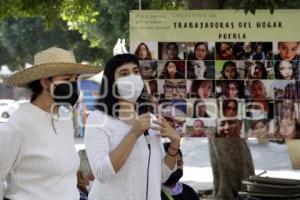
[
  {"x": 98, "y": 23},
  {"x": 102, "y": 22},
  {"x": 21, "y": 38},
  {"x": 246, "y": 5}
]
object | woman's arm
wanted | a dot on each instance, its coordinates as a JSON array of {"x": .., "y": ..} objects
[
  {"x": 167, "y": 131},
  {"x": 121, "y": 153},
  {"x": 104, "y": 163},
  {"x": 11, "y": 147}
]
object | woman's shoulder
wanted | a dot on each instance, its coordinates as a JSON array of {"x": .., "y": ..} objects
[
  {"x": 100, "y": 119},
  {"x": 21, "y": 115},
  {"x": 98, "y": 115},
  {"x": 9, "y": 130}
]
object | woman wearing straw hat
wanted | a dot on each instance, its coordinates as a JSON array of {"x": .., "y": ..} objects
[{"x": 38, "y": 159}]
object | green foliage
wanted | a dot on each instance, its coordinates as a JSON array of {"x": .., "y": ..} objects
[
  {"x": 50, "y": 10},
  {"x": 110, "y": 21},
  {"x": 90, "y": 27},
  {"x": 167, "y": 5},
  {"x": 253, "y": 5},
  {"x": 21, "y": 38}
]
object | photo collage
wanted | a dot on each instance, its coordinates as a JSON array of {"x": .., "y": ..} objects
[{"x": 224, "y": 89}]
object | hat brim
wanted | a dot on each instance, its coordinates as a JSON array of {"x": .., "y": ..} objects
[{"x": 23, "y": 77}]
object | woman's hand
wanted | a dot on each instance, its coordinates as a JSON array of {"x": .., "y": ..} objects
[
  {"x": 141, "y": 124},
  {"x": 81, "y": 179},
  {"x": 166, "y": 130}
]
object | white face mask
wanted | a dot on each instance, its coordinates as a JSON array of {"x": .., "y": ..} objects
[
  {"x": 257, "y": 114},
  {"x": 130, "y": 87}
]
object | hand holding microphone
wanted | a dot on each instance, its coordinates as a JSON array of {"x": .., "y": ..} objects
[{"x": 141, "y": 125}]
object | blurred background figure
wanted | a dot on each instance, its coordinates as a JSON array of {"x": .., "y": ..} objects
[
  {"x": 258, "y": 90},
  {"x": 229, "y": 71},
  {"x": 230, "y": 108},
  {"x": 286, "y": 70},
  {"x": 260, "y": 130},
  {"x": 173, "y": 189},
  {"x": 172, "y": 51},
  {"x": 174, "y": 88},
  {"x": 142, "y": 52},
  {"x": 199, "y": 130},
  {"x": 258, "y": 54},
  {"x": 199, "y": 109},
  {"x": 148, "y": 69},
  {"x": 287, "y": 51},
  {"x": 257, "y": 70},
  {"x": 171, "y": 71},
  {"x": 225, "y": 51},
  {"x": 202, "y": 89},
  {"x": 199, "y": 69},
  {"x": 201, "y": 51},
  {"x": 288, "y": 128},
  {"x": 231, "y": 89},
  {"x": 229, "y": 127}
]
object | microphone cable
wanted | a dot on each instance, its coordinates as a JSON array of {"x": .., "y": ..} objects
[{"x": 148, "y": 165}]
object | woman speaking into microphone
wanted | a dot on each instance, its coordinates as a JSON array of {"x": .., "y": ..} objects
[{"x": 127, "y": 162}]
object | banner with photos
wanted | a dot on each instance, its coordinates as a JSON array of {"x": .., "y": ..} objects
[{"x": 221, "y": 73}]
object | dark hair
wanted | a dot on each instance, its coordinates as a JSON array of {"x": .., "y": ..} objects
[
  {"x": 195, "y": 115},
  {"x": 219, "y": 44},
  {"x": 261, "y": 66},
  {"x": 165, "y": 74},
  {"x": 172, "y": 43},
  {"x": 297, "y": 134},
  {"x": 226, "y": 102},
  {"x": 290, "y": 91},
  {"x": 196, "y": 46},
  {"x": 36, "y": 89},
  {"x": 277, "y": 71},
  {"x": 235, "y": 84},
  {"x": 137, "y": 51},
  {"x": 255, "y": 122},
  {"x": 196, "y": 84},
  {"x": 280, "y": 43},
  {"x": 106, "y": 90},
  {"x": 199, "y": 120},
  {"x": 226, "y": 64},
  {"x": 167, "y": 145}
]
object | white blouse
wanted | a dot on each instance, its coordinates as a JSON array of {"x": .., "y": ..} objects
[
  {"x": 102, "y": 135},
  {"x": 36, "y": 162}
]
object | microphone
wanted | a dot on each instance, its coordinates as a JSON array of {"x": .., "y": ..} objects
[
  {"x": 146, "y": 133},
  {"x": 144, "y": 107},
  {"x": 142, "y": 110}
]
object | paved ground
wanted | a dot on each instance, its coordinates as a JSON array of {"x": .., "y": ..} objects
[{"x": 197, "y": 171}]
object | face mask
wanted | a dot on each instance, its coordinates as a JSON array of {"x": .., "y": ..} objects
[
  {"x": 256, "y": 114},
  {"x": 174, "y": 178},
  {"x": 66, "y": 93},
  {"x": 130, "y": 87}
]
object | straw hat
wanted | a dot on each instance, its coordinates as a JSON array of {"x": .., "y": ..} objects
[{"x": 50, "y": 62}]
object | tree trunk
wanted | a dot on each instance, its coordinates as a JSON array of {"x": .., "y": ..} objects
[{"x": 231, "y": 163}]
